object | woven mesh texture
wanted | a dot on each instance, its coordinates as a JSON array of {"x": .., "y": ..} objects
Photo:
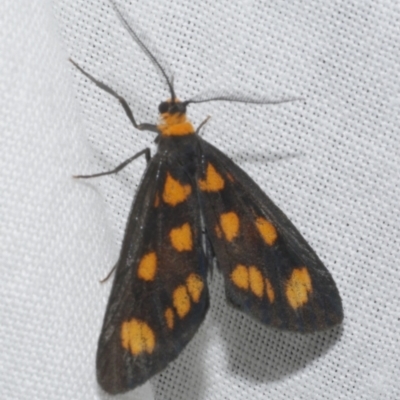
[{"x": 330, "y": 162}]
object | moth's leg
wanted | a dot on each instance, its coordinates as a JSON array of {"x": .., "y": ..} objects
[
  {"x": 123, "y": 102},
  {"x": 202, "y": 124},
  {"x": 110, "y": 273},
  {"x": 146, "y": 152}
]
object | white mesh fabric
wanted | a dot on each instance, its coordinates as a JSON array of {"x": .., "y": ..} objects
[{"x": 331, "y": 163}]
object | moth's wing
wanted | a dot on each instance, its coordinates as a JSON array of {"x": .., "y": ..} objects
[
  {"x": 159, "y": 296},
  {"x": 269, "y": 269}
]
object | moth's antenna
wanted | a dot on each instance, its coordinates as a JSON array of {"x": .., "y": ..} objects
[
  {"x": 136, "y": 38},
  {"x": 245, "y": 100}
]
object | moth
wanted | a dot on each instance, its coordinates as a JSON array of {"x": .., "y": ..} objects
[{"x": 193, "y": 206}]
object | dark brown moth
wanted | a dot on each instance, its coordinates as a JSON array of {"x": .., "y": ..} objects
[{"x": 195, "y": 205}]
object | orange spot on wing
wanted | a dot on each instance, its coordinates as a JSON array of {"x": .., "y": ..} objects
[
  {"x": 181, "y": 238},
  {"x": 267, "y": 231},
  {"x": 137, "y": 337},
  {"x": 298, "y": 287},
  {"x": 181, "y": 301},
  {"x": 169, "y": 317},
  {"x": 174, "y": 192},
  {"x": 251, "y": 278},
  {"x": 270, "y": 291},
  {"x": 194, "y": 286},
  {"x": 240, "y": 276},
  {"x": 256, "y": 281},
  {"x": 213, "y": 181},
  {"x": 230, "y": 225},
  {"x": 175, "y": 125},
  {"x": 147, "y": 266}
]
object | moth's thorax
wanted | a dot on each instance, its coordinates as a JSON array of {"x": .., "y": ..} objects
[{"x": 173, "y": 123}]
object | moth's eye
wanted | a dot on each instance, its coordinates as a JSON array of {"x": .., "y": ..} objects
[{"x": 163, "y": 107}]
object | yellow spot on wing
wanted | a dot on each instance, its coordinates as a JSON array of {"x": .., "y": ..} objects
[
  {"x": 194, "y": 286},
  {"x": 181, "y": 238},
  {"x": 240, "y": 276},
  {"x": 213, "y": 181},
  {"x": 230, "y": 225},
  {"x": 181, "y": 300},
  {"x": 298, "y": 287},
  {"x": 169, "y": 317},
  {"x": 174, "y": 192},
  {"x": 270, "y": 291},
  {"x": 137, "y": 337},
  {"x": 267, "y": 231},
  {"x": 251, "y": 278},
  {"x": 256, "y": 281},
  {"x": 147, "y": 266}
]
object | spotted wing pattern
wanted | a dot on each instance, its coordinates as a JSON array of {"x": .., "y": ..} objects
[
  {"x": 269, "y": 269},
  {"x": 159, "y": 296}
]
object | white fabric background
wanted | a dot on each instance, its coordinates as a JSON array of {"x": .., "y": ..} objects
[{"x": 331, "y": 163}]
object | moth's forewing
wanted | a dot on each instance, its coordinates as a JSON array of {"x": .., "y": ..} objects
[
  {"x": 270, "y": 270},
  {"x": 159, "y": 296}
]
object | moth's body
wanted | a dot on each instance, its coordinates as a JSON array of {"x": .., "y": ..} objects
[
  {"x": 160, "y": 295},
  {"x": 195, "y": 206}
]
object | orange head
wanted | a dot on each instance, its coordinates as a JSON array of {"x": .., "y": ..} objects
[{"x": 173, "y": 121}]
